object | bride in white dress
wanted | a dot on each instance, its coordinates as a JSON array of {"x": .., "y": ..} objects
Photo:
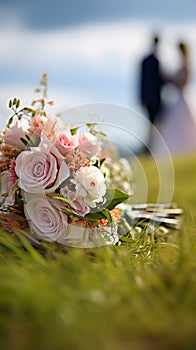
[{"x": 177, "y": 126}]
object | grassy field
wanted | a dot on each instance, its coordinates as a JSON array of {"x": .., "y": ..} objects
[{"x": 108, "y": 297}]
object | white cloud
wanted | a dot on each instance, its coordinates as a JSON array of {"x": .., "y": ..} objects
[
  {"x": 91, "y": 62},
  {"x": 96, "y": 45},
  {"x": 100, "y": 46}
]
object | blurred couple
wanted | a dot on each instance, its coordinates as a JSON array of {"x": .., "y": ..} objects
[{"x": 173, "y": 120}]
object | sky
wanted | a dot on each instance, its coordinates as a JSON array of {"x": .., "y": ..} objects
[
  {"x": 40, "y": 14},
  {"x": 90, "y": 49}
]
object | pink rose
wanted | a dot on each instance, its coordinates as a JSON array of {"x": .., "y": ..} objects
[
  {"x": 78, "y": 206},
  {"x": 41, "y": 169},
  {"x": 7, "y": 191},
  {"x": 45, "y": 218},
  {"x": 89, "y": 144},
  {"x": 66, "y": 143},
  {"x": 18, "y": 130}
]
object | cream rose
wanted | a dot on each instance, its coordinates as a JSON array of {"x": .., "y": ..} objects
[
  {"x": 13, "y": 136},
  {"x": 6, "y": 193},
  {"x": 41, "y": 169},
  {"x": 89, "y": 144},
  {"x": 90, "y": 185},
  {"x": 45, "y": 218}
]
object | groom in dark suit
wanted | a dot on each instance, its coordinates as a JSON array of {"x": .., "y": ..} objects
[{"x": 151, "y": 82}]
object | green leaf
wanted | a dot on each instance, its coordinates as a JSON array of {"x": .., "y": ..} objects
[
  {"x": 69, "y": 212},
  {"x": 114, "y": 197},
  {"x": 126, "y": 239},
  {"x": 63, "y": 199},
  {"x": 30, "y": 142},
  {"x": 14, "y": 101},
  {"x": 101, "y": 133},
  {"x": 74, "y": 131},
  {"x": 10, "y": 121},
  {"x": 27, "y": 110},
  {"x": 106, "y": 212},
  {"x": 17, "y": 103},
  {"x": 90, "y": 125},
  {"x": 24, "y": 141},
  {"x": 98, "y": 162},
  {"x": 102, "y": 214}
]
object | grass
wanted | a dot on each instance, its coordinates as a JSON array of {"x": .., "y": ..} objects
[{"x": 108, "y": 297}]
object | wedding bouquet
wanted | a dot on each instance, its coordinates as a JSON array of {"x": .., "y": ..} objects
[
  {"x": 60, "y": 183},
  {"x": 56, "y": 182}
]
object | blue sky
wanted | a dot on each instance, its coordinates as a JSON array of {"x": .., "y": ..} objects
[
  {"x": 41, "y": 14},
  {"x": 90, "y": 49}
]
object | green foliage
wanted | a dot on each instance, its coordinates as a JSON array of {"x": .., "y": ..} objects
[
  {"x": 140, "y": 295},
  {"x": 29, "y": 111},
  {"x": 115, "y": 197}
]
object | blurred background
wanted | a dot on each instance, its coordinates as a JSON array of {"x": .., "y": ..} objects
[{"x": 90, "y": 49}]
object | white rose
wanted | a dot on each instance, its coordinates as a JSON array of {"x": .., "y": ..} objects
[
  {"x": 89, "y": 144},
  {"x": 90, "y": 185},
  {"x": 45, "y": 218}
]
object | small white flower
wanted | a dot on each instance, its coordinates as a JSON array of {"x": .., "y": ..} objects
[{"x": 90, "y": 185}]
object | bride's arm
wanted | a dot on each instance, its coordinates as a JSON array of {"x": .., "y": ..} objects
[
  {"x": 165, "y": 77},
  {"x": 180, "y": 79}
]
